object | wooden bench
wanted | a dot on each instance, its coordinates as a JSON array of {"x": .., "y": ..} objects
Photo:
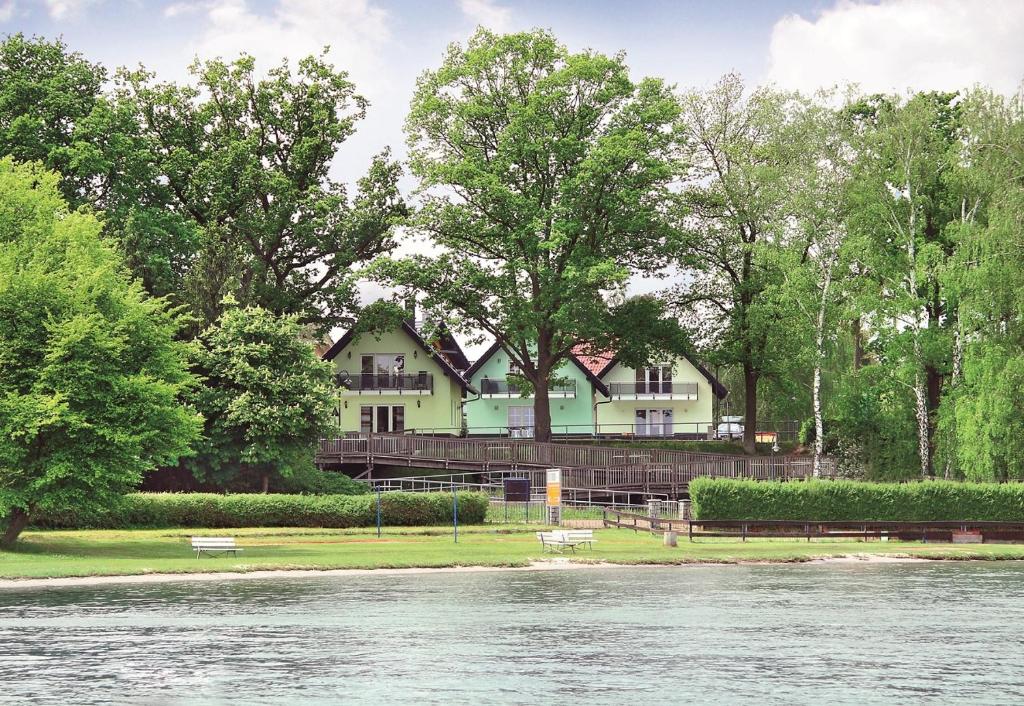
[
  {"x": 214, "y": 544},
  {"x": 558, "y": 540}
]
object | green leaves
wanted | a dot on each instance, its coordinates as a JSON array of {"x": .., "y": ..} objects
[
  {"x": 266, "y": 396},
  {"x": 91, "y": 376}
]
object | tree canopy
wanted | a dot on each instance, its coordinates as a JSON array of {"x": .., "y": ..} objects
[{"x": 91, "y": 373}]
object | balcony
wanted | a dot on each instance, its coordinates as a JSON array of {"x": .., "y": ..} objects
[
  {"x": 496, "y": 389},
  {"x": 653, "y": 390},
  {"x": 388, "y": 384}
]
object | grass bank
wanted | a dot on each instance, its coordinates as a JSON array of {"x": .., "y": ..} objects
[{"x": 60, "y": 553}]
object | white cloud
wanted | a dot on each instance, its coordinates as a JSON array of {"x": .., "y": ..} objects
[
  {"x": 487, "y": 13},
  {"x": 896, "y": 45},
  {"x": 6, "y": 10},
  {"x": 66, "y": 9}
]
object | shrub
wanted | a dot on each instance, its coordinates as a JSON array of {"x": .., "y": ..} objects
[
  {"x": 257, "y": 510},
  {"x": 847, "y": 500}
]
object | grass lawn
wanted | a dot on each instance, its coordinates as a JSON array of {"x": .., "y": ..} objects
[{"x": 120, "y": 552}]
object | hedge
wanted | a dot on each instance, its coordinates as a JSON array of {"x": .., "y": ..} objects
[
  {"x": 140, "y": 510},
  {"x": 843, "y": 500}
]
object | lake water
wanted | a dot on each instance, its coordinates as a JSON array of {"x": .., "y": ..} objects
[{"x": 856, "y": 634}]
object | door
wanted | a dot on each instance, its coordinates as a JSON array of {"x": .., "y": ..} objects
[
  {"x": 520, "y": 422},
  {"x": 653, "y": 422},
  {"x": 654, "y": 380},
  {"x": 381, "y": 418}
]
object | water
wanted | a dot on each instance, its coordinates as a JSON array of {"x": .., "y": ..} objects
[{"x": 856, "y": 634}]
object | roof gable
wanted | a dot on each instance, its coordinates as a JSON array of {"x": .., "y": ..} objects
[
  {"x": 602, "y": 362},
  {"x": 411, "y": 332}
]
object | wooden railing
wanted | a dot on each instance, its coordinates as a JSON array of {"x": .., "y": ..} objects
[{"x": 667, "y": 466}]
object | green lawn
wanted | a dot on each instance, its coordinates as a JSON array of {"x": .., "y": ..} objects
[{"x": 120, "y": 552}]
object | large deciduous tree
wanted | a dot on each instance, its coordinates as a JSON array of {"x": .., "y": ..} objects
[
  {"x": 543, "y": 176},
  {"x": 246, "y": 160},
  {"x": 91, "y": 374},
  {"x": 741, "y": 153},
  {"x": 266, "y": 399}
]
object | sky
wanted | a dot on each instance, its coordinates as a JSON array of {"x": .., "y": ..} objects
[{"x": 881, "y": 45}]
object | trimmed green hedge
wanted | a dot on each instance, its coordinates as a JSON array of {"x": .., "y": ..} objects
[
  {"x": 841, "y": 500},
  {"x": 258, "y": 510}
]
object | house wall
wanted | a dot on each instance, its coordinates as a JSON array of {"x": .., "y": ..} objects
[
  {"x": 440, "y": 410},
  {"x": 688, "y": 416},
  {"x": 568, "y": 414}
]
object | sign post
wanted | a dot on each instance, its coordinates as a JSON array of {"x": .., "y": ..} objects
[{"x": 554, "y": 496}]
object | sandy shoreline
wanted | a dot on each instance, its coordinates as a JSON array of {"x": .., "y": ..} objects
[{"x": 546, "y": 565}]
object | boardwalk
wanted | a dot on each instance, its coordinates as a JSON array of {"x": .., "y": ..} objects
[{"x": 583, "y": 466}]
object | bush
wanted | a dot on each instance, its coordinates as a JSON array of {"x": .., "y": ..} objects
[
  {"x": 847, "y": 500},
  {"x": 140, "y": 510}
]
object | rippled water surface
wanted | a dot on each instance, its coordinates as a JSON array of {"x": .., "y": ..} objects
[{"x": 857, "y": 634}]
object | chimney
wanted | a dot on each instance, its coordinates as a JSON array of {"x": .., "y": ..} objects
[{"x": 410, "y": 310}]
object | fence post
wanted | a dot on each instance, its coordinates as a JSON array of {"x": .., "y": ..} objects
[
  {"x": 455, "y": 512},
  {"x": 378, "y": 512}
]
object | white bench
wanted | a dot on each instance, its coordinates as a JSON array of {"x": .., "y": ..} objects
[
  {"x": 214, "y": 544},
  {"x": 558, "y": 540}
]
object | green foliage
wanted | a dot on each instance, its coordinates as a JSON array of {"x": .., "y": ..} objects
[
  {"x": 46, "y": 91},
  {"x": 91, "y": 376},
  {"x": 260, "y": 510},
  {"x": 246, "y": 160},
  {"x": 266, "y": 396},
  {"x": 847, "y": 500},
  {"x": 543, "y": 176}
]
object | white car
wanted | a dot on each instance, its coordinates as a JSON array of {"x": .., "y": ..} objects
[{"x": 729, "y": 431}]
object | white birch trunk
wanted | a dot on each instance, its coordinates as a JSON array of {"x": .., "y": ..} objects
[
  {"x": 920, "y": 397},
  {"x": 819, "y": 359}
]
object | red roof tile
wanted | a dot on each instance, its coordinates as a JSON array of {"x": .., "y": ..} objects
[{"x": 594, "y": 362}]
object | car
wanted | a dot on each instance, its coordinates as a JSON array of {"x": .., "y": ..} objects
[{"x": 729, "y": 431}]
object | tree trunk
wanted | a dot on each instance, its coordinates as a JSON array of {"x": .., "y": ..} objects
[
  {"x": 541, "y": 412},
  {"x": 16, "y": 522},
  {"x": 265, "y": 482},
  {"x": 819, "y": 359},
  {"x": 750, "y": 377},
  {"x": 858, "y": 344}
]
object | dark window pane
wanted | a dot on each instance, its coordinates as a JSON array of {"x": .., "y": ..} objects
[{"x": 366, "y": 419}]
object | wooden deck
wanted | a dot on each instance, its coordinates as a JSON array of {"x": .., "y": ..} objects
[{"x": 583, "y": 466}]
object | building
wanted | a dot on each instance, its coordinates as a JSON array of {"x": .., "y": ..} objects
[
  {"x": 502, "y": 410},
  {"x": 397, "y": 381},
  {"x": 673, "y": 398}
]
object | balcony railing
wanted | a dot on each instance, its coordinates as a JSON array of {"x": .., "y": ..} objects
[
  {"x": 671, "y": 390},
  {"x": 417, "y": 383},
  {"x": 504, "y": 388}
]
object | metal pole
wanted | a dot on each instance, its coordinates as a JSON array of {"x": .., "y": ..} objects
[
  {"x": 378, "y": 512},
  {"x": 455, "y": 512}
]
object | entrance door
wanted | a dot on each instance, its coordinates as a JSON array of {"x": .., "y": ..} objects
[
  {"x": 381, "y": 418},
  {"x": 653, "y": 422},
  {"x": 520, "y": 422}
]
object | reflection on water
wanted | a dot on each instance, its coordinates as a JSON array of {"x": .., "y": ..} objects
[{"x": 712, "y": 634}]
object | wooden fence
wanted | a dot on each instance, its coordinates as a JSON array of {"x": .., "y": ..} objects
[{"x": 591, "y": 466}]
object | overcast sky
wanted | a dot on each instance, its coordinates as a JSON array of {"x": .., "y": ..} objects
[{"x": 891, "y": 45}]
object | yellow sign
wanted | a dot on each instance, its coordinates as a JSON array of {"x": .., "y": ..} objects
[
  {"x": 554, "y": 487},
  {"x": 554, "y": 494}
]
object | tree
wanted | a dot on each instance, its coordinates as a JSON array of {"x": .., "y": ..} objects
[
  {"x": 819, "y": 205},
  {"x": 543, "y": 176},
  {"x": 245, "y": 160},
  {"x": 903, "y": 206},
  {"x": 91, "y": 374},
  {"x": 45, "y": 93},
  {"x": 983, "y": 412},
  {"x": 266, "y": 399},
  {"x": 732, "y": 218}
]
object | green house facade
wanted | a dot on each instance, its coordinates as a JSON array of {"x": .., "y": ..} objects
[
  {"x": 396, "y": 381},
  {"x": 502, "y": 409}
]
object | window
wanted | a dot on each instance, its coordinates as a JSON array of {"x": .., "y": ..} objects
[
  {"x": 653, "y": 422},
  {"x": 520, "y": 421},
  {"x": 381, "y": 370},
  {"x": 656, "y": 380},
  {"x": 381, "y": 418}
]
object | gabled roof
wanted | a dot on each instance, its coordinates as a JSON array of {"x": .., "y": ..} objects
[
  {"x": 593, "y": 379},
  {"x": 601, "y": 363},
  {"x": 411, "y": 332}
]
